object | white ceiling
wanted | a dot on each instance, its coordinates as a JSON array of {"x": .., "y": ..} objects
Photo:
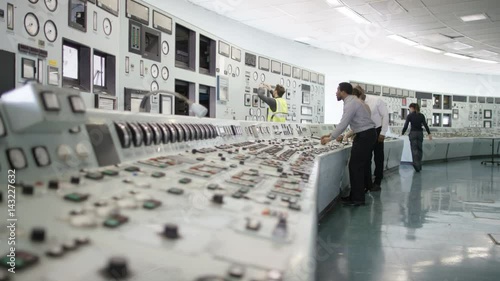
[{"x": 433, "y": 23}]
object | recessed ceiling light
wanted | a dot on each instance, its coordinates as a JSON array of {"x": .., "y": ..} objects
[
  {"x": 429, "y": 49},
  {"x": 458, "y": 46},
  {"x": 353, "y": 15},
  {"x": 457, "y": 56},
  {"x": 474, "y": 17},
  {"x": 403, "y": 40},
  {"x": 334, "y": 3},
  {"x": 485, "y": 61}
]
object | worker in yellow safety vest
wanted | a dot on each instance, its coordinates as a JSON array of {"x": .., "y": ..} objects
[{"x": 278, "y": 108}]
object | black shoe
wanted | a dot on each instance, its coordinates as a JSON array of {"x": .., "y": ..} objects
[
  {"x": 354, "y": 203},
  {"x": 375, "y": 188},
  {"x": 345, "y": 199}
]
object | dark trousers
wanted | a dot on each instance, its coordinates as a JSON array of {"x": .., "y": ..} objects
[
  {"x": 416, "y": 140},
  {"x": 378, "y": 157},
  {"x": 359, "y": 165}
]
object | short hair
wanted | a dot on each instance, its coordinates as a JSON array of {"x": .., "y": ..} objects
[
  {"x": 280, "y": 90},
  {"x": 345, "y": 87}
]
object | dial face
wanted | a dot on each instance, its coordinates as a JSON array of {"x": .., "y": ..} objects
[
  {"x": 50, "y": 30},
  {"x": 237, "y": 71},
  {"x": 229, "y": 69},
  {"x": 107, "y": 27},
  {"x": 294, "y": 84},
  {"x": 251, "y": 112},
  {"x": 259, "y": 112},
  {"x": 33, "y": 1},
  {"x": 263, "y": 77},
  {"x": 282, "y": 81},
  {"x": 288, "y": 82},
  {"x": 41, "y": 156},
  {"x": 155, "y": 71},
  {"x": 165, "y": 73},
  {"x": 165, "y": 48},
  {"x": 154, "y": 86},
  {"x": 255, "y": 76},
  {"x": 31, "y": 24},
  {"x": 51, "y": 5}
]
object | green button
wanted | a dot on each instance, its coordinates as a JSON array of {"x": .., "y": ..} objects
[
  {"x": 112, "y": 223},
  {"x": 158, "y": 175},
  {"x": 185, "y": 180},
  {"x": 110, "y": 173},
  {"x": 76, "y": 197},
  {"x": 151, "y": 204}
]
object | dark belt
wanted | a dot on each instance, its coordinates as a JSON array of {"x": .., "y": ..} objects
[{"x": 369, "y": 131}]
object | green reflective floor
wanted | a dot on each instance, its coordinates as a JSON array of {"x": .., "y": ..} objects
[{"x": 428, "y": 226}]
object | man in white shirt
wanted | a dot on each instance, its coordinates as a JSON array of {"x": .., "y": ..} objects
[
  {"x": 358, "y": 117},
  {"x": 380, "y": 117}
]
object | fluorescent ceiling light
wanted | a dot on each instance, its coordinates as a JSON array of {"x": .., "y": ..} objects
[
  {"x": 429, "y": 49},
  {"x": 303, "y": 38},
  {"x": 485, "y": 61},
  {"x": 458, "y": 46},
  {"x": 403, "y": 40},
  {"x": 485, "y": 53},
  {"x": 334, "y": 3},
  {"x": 475, "y": 17},
  {"x": 457, "y": 56},
  {"x": 353, "y": 15}
]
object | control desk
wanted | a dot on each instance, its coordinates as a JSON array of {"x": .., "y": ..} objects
[{"x": 102, "y": 195}]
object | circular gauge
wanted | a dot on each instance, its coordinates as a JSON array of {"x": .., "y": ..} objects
[
  {"x": 229, "y": 69},
  {"x": 237, "y": 71},
  {"x": 51, "y": 5},
  {"x": 288, "y": 82},
  {"x": 165, "y": 48},
  {"x": 282, "y": 82},
  {"x": 251, "y": 112},
  {"x": 255, "y": 76},
  {"x": 41, "y": 156},
  {"x": 263, "y": 78},
  {"x": 107, "y": 27},
  {"x": 259, "y": 112},
  {"x": 294, "y": 84},
  {"x": 33, "y": 1},
  {"x": 155, "y": 86},
  {"x": 165, "y": 73},
  {"x": 50, "y": 31},
  {"x": 155, "y": 71},
  {"x": 255, "y": 118},
  {"x": 31, "y": 24}
]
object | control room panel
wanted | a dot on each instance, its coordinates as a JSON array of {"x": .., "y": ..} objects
[
  {"x": 109, "y": 195},
  {"x": 441, "y": 110},
  {"x": 114, "y": 52}
]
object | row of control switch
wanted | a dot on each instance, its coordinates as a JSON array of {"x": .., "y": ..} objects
[{"x": 138, "y": 134}]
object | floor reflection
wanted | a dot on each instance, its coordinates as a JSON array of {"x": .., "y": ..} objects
[{"x": 432, "y": 225}]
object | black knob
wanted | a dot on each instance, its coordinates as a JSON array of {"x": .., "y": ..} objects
[
  {"x": 242, "y": 162},
  {"x": 244, "y": 148},
  {"x": 28, "y": 190},
  {"x": 117, "y": 268},
  {"x": 220, "y": 154},
  {"x": 75, "y": 180},
  {"x": 218, "y": 199},
  {"x": 53, "y": 184},
  {"x": 194, "y": 151},
  {"x": 280, "y": 170},
  {"x": 171, "y": 231},
  {"x": 223, "y": 158},
  {"x": 38, "y": 234}
]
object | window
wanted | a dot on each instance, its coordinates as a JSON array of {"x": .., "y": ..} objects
[
  {"x": 184, "y": 47},
  {"x": 70, "y": 62},
  {"x": 76, "y": 66}
]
